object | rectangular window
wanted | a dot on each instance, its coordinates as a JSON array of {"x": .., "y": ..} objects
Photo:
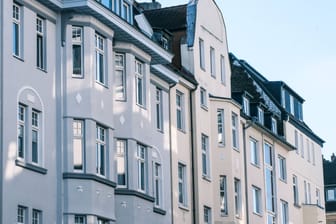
[
  {"x": 318, "y": 197},
  {"x": 140, "y": 83},
  {"x": 274, "y": 126},
  {"x": 308, "y": 193},
  {"x": 158, "y": 109},
  {"x": 101, "y": 150},
  {"x": 256, "y": 195},
  {"x": 234, "y": 120},
  {"x": 40, "y": 43},
  {"x": 201, "y": 52},
  {"x": 203, "y": 97},
  {"x": 103, "y": 221},
  {"x": 121, "y": 163},
  {"x": 182, "y": 185},
  {"x": 80, "y": 219},
  {"x": 16, "y": 30},
  {"x": 78, "y": 144},
  {"x": 313, "y": 152},
  {"x": 296, "y": 139},
  {"x": 308, "y": 150},
  {"x": 260, "y": 116},
  {"x": 222, "y": 64},
  {"x": 282, "y": 168},
  {"x": 284, "y": 212},
  {"x": 21, "y": 131},
  {"x": 295, "y": 190},
  {"x": 255, "y": 160},
  {"x": 100, "y": 58},
  {"x": 77, "y": 51},
  {"x": 223, "y": 196},
  {"x": 157, "y": 184},
  {"x": 246, "y": 106},
  {"x": 207, "y": 215},
  {"x": 220, "y": 127},
  {"x": 331, "y": 194},
  {"x": 126, "y": 14},
  {"x": 205, "y": 156},
  {"x": 179, "y": 110},
  {"x": 36, "y": 217},
  {"x": 120, "y": 77},
  {"x": 142, "y": 172},
  {"x": 237, "y": 197},
  {"x": 302, "y": 145},
  {"x": 212, "y": 62},
  {"x": 35, "y": 136},
  {"x": 21, "y": 215},
  {"x": 269, "y": 178}
]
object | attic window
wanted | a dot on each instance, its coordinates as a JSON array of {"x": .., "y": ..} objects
[
  {"x": 126, "y": 12},
  {"x": 261, "y": 116},
  {"x": 164, "y": 43},
  {"x": 246, "y": 106}
]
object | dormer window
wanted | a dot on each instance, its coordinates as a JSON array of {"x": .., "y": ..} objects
[
  {"x": 246, "y": 106},
  {"x": 274, "y": 126},
  {"x": 164, "y": 43},
  {"x": 260, "y": 115},
  {"x": 125, "y": 12}
]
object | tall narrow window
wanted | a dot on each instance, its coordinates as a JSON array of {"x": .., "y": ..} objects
[
  {"x": 222, "y": 64},
  {"x": 309, "y": 193},
  {"x": 282, "y": 168},
  {"x": 100, "y": 58},
  {"x": 140, "y": 83},
  {"x": 269, "y": 182},
  {"x": 203, "y": 97},
  {"x": 79, "y": 219},
  {"x": 126, "y": 15},
  {"x": 36, "y": 217},
  {"x": 302, "y": 146},
  {"x": 21, "y": 131},
  {"x": 78, "y": 146},
  {"x": 308, "y": 150},
  {"x": 274, "y": 126},
  {"x": 212, "y": 62},
  {"x": 157, "y": 184},
  {"x": 182, "y": 185},
  {"x": 101, "y": 150},
  {"x": 121, "y": 163},
  {"x": 207, "y": 215},
  {"x": 313, "y": 153},
  {"x": 201, "y": 54},
  {"x": 318, "y": 197},
  {"x": 296, "y": 141},
  {"x": 255, "y": 160},
  {"x": 158, "y": 109},
  {"x": 237, "y": 197},
  {"x": 234, "y": 123},
  {"x": 16, "y": 30},
  {"x": 220, "y": 127},
  {"x": 142, "y": 176},
  {"x": 284, "y": 212},
  {"x": 205, "y": 156},
  {"x": 256, "y": 195},
  {"x": 120, "y": 77},
  {"x": 223, "y": 196},
  {"x": 261, "y": 116},
  {"x": 40, "y": 43},
  {"x": 295, "y": 190},
  {"x": 77, "y": 51},
  {"x": 21, "y": 215},
  {"x": 246, "y": 106},
  {"x": 179, "y": 110},
  {"x": 35, "y": 136}
]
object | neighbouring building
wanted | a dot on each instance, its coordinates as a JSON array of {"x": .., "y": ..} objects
[{"x": 329, "y": 168}]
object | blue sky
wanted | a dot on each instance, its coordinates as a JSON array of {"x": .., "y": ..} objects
[{"x": 293, "y": 41}]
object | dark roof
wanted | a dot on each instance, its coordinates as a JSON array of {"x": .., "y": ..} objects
[{"x": 171, "y": 18}]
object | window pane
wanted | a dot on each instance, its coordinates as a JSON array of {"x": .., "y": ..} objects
[{"x": 35, "y": 146}]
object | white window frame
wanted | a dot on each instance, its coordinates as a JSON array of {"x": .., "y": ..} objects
[
  {"x": 254, "y": 147},
  {"x": 261, "y": 116},
  {"x": 223, "y": 72},
  {"x": 296, "y": 190},
  {"x": 140, "y": 83},
  {"x": 223, "y": 195},
  {"x": 302, "y": 146},
  {"x": 121, "y": 160},
  {"x": 22, "y": 134},
  {"x": 296, "y": 141},
  {"x": 237, "y": 197},
  {"x": 205, "y": 156},
  {"x": 40, "y": 39},
  {"x": 35, "y": 127},
  {"x": 284, "y": 212},
  {"x": 212, "y": 62},
  {"x": 36, "y": 216},
  {"x": 269, "y": 168},
  {"x": 157, "y": 171},
  {"x": 246, "y": 106},
  {"x": 120, "y": 79},
  {"x": 274, "y": 124},
  {"x": 126, "y": 11},
  {"x": 180, "y": 122},
  {"x": 282, "y": 168},
  {"x": 159, "y": 109},
  {"x": 100, "y": 59},
  {"x": 308, "y": 151},
  {"x": 203, "y": 98},
  {"x": 17, "y": 38},
  {"x": 234, "y": 128},
  {"x": 313, "y": 152},
  {"x": 78, "y": 145},
  {"x": 101, "y": 150},
  {"x": 201, "y": 52},
  {"x": 79, "y": 219},
  {"x": 142, "y": 168},
  {"x": 21, "y": 215},
  {"x": 182, "y": 185},
  {"x": 220, "y": 127},
  {"x": 256, "y": 199},
  {"x": 77, "y": 42},
  {"x": 207, "y": 215},
  {"x": 318, "y": 197}
]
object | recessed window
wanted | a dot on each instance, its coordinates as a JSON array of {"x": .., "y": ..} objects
[
  {"x": 308, "y": 150},
  {"x": 295, "y": 190},
  {"x": 282, "y": 168},
  {"x": 296, "y": 141},
  {"x": 201, "y": 54},
  {"x": 246, "y": 106},
  {"x": 21, "y": 131},
  {"x": 140, "y": 83},
  {"x": 302, "y": 146},
  {"x": 36, "y": 217},
  {"x": 100, "y": 58},
  {"x": 234, "y": 127},
  {"x": 255, "y": 158},
  {"x": 158, "y": 109},
  {"x": 179, "y": 110},
  {"x": 121, "y": 163},
  {"x": 220, "y": 127},
  {"x": 261, "y": 116},
  {"x": 125, "y": 13},
  {"x": 212, "y": 62},
  {"x": 318, "y": 197},
  {"x": 222, "y": 64},
  {"x": 120, "y": 77},
  {"x": 307, "y": 192},
  {"x": 182, "y": 185},
  {"x": 256, "y": 195},
  {"x": 205, "y": 156},
  {"x": 313, "y": 152},
  {"x": 77, "y": 51},
  {"x": 269, "y": 181},
  {"x": 100, "y": 150},
  {"x": 17, "y": 30},
  {"x": 35, "y": 137},
  {"x": 237, "y": 197},
  {"x": 40, "y": 43},
  {"x": 223, "y": 196},
  {"x": 207, "y": 215},
  {"x": 157, "y": 184},
  {"x": 78, "y": 145},
  {"x": 203, "y": 98},
  {"x": 142, "y": 168},
  {"x": 274, "y": 125},
  {"x": 80, "y": 219},
  {"x": 284, "y": 212}
]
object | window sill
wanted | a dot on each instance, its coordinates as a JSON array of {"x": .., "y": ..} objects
[
  {"x": 204, "y": 107},
  {"x": 123, "y": 191},
  {"x": 183, "y": 207},
  {"x": 141, "y": 106},
  {"x": 18, "y": 58},
  {"x": 221, "y": 145},
  {"x": 224, "y": 215},
  {"x": 159, "y": 211},
  {"x": 297, "y": 205},
  {"x": 283, "y": 180},
  {"x": 181, "y": 130},
  {"x": 77, "y": 76},
  {"x": 31, "y": 167},
  {"x": 255, "y": 165},
  {"x": 258, "y": 214},
  {"x": 42, "y": 69},
  {"x": 206, "y": 178},
  {"x": 101, "y": 84},
  {"x": 236, "y": 149}
]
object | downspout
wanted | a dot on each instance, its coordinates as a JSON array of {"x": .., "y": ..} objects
[{"x": 1, "y": 110}]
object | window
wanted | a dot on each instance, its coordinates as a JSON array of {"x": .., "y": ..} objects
[
  {"x": 223, "y": 196},
  {"x": 234, "y": 120},
  {"x": 212, "y": 62},
  {"x": 100, "y": 59},
  {"x": 21, "y": 131},
  {"x": 295, "y": 190},
  {"x": 282, "y": 168},
  {"x": 16, "y": 30},
  {"x": 158, "y": 109},
  {"x": 120, "y": 77},
  {"x": 35, "y": 136},
  {"x": 313, "y": 152},
  {"x": 77, "y": 51},
  {"x": 318, "y": 197},
  {"x": 284, "y": 212},
  {"x": 331, "y": 194},
  {"x": 269, "y": 178},
  {"x": 296, "y": 138},
  {"x": 121, "y": 163},
  {"x": 179, "y": 110},
  {"x": 36, "y": 217},
  {"x": 255, "y": 160},
  {"x": 301, "y": 145},
  {"x": 309, "y": 193},
  {"x": 101, "y": 150},
  {"x": 220, "y": 127},
  {"x": 261, "y": 116},
  {"x": 201, "y": 52},
  {"x": 222, "y": 64},
  {"x": 205, "y": 156},
  {"x": 79, "y": 219},
  {"x": 157, "y": 184},
  {"x": 21, "y": 215},
  {"x": 103, "y": 221},
  {"x": 256, "y": 195},
  {"x": 207, "y": 215},
  {"x": 308, "y": 150},
  {"x": 203, "y": 97},
  {"x": 182, "y": 185},
  {"x": 274, "y": 126},
  {"x": 246, "y": 106},
  {"x": 78, "y": 144},
  {"x": 40, "y": 43},
  {"x": 140, "y": 83},
  {"x": 237, "y": 197},
  {"x": 126, "y": 14},
  {"x": 142, "y": 175}
]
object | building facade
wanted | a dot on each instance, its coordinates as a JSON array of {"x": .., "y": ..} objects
[
  {"x": 330, "y": 188},
  {"x": 113, "y": 112}
]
